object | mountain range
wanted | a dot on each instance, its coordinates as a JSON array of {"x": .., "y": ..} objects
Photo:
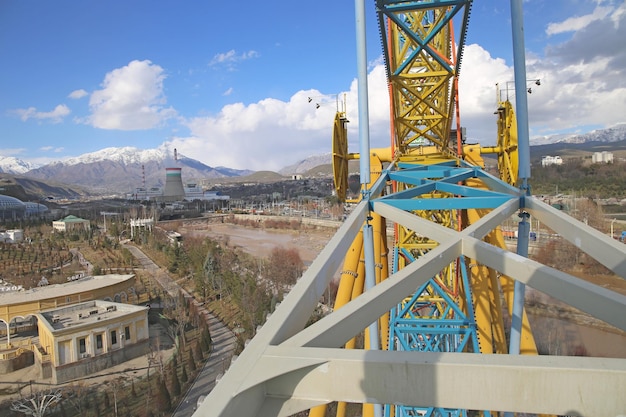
[
  {"x": 611, "y": 134},
  {"x": 120, "y": 170}
]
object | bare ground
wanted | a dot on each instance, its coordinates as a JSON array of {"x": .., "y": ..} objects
[{"x": 260, "y": 242}]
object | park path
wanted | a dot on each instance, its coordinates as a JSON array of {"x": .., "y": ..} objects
[{"x": 223, "y": 340}]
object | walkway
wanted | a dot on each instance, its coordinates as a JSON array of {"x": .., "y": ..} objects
[{"x": 224, "y": 341}]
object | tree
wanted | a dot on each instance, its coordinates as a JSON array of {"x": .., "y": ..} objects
[
  {"x": 116, "y": 385},
  {"x": 164, "y": 401},
  {"x": 174, "y": 362},
  {"x": 192, "y": 362},
  {"x": 177, "y": 320},
  {"x": 76, "y": 395},
  {"x": 183, "y": 377},
  {"x": 284, "y": 267},
  {"x": 175, "y": 384},
  {"x": 199, "y": 355},
  {"x": 38, "y": 403},
  {"x": 205, "y": 339}
]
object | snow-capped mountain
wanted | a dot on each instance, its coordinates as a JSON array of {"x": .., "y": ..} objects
[
  {"x": 126, "y": 155},
  {"x": 612, "y": 134},
  {"x": 124, "y": 169},
  {"x": 12, "y": 165},
  {"x": 307, "y": 164}
]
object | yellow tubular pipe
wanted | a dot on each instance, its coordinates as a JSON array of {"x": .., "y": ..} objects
[
  {"x": 349, "y": 275},
  {"x": 527, "y": 341}
]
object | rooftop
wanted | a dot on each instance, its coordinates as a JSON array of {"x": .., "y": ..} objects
[
  {"x": 59, "y": 290},
  {"x": 72, "y": 219},
  {"x": 87, "y": 313}
]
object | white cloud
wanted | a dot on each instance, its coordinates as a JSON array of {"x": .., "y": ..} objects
[
  {"x": 76, "y": 94},
  {"x": 52, "y": 148},
  {"x": 228, "y": 92},
  {"x": 272, "y": 134},
  {"x": 230, "y": 58},
  {"x": 12, "y": 151},
  {"x": 575, "y": 23},
  {"x": 477, "y": 92},
  {"x": 131, "y": 98},
  {"x": 55, "y": 116},
  {"x": 579, "y": 86}
]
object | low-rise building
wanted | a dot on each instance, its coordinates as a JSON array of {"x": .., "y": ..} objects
[
  {"x": 71, "y": 223},
  {"x": 603, "y": 157},
  {"x": 112, "y": 287},
  {"x": 12, "y": 236},
  {"x": 551, "y": 160},
  {"x": 88, "y": 337}
]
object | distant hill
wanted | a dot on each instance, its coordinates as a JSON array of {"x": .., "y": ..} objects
[
  {"x": 307, "y": 164},
  {"x": 616, "y": 133},
  {"x": 27, "y": 189},
  {"x": 119, "y": 170},
  {"x": 578, "y": 150},
  {"x": 254, "y": 177}
]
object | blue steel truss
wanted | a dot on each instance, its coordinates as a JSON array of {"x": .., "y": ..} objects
[{"x": 432, "y": 319}]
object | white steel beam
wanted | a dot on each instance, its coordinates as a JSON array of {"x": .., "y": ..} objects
[
  {"x": 519, "y": 383},
  {"x": 228, "y": 398},
  {"x": 337, "y": 328},
  {"x": 286, "y": 368},
  {"x": 604, "y": 249},
  {"x": 601, "y": 303}
]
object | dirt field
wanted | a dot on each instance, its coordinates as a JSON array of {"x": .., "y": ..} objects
[{"x": 260, "y": 242}]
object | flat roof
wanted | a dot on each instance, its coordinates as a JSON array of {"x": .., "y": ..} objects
[
  {"x": 89, "y": 312},
  {"x": 89, "y": 283}
]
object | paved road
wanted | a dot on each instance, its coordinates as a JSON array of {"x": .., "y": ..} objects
[
  {"x": 221, "y": 354},
  {"x": 223, "y": 347}
]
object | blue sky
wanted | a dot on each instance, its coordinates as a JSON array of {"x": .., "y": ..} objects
[{"x": 228, "y": 83}]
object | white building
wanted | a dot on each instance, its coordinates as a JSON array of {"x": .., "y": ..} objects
[
  {"x": 603, "y": 157},
  {"x": 71, "y": 223},
  {"x": 142, "y": 193},
  {"x": 193, "y": 191},
  {"x": 551, "y": 160},
  {"x": 12, "y": 236}
]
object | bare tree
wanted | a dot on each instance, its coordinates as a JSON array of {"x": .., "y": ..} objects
[
  {"x": 76, "y": 396},
  {"x": 37, "y": 404},
  {"x": 177, "y": 319},
  {"x": 284, "y": 267},
  {"x": 116, "y": 385}
]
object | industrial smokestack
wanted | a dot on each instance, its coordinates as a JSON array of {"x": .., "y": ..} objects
[{"x": 174, "y": 189}]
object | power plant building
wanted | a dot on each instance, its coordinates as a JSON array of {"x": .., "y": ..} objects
[{"x": 174, "y": 190}]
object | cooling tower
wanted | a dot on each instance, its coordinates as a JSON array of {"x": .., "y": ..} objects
[{"x": 174, "y": 190}]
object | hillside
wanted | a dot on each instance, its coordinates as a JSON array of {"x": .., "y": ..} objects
[
  {"x": 578, "y": 150},
  {"x": 599, "y": 181},
  {"x": 120, "y": 170},
  {"x": 26, "y": 189}
]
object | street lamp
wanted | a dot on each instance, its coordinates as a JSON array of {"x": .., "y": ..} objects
[
  {"x": 612, "y": 221},
  {"x": 507, "y": 88}
]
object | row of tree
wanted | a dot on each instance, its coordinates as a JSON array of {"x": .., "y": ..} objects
[{"x": 598, "y": 181}]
